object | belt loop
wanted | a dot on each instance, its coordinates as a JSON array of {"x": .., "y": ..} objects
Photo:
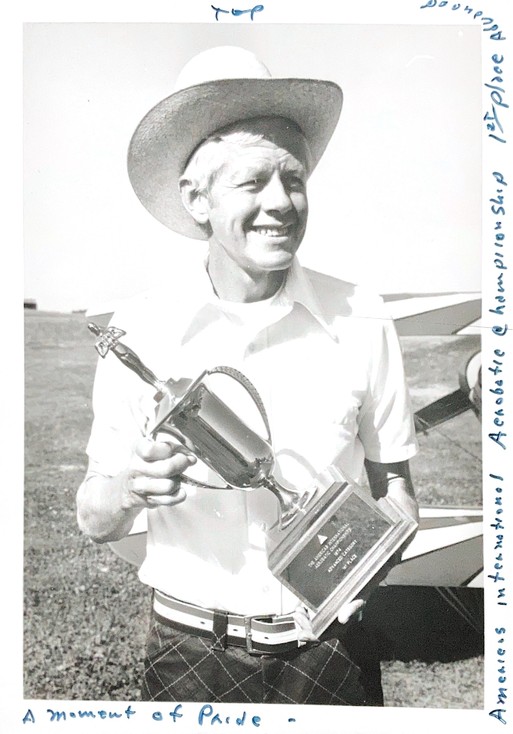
[
  {"x": 249, "y": 635},
  {"x": 220, "y": 630}
]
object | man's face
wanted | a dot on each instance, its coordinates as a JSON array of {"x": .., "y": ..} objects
[{"x": 257, "y": 204}]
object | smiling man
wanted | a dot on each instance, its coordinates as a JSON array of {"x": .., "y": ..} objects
[
  {"x": 226, "y": 159},
  {"x": 254, "y": 205}
]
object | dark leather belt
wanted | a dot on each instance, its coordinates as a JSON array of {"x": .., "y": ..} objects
[{"x": 259, "y": 635}]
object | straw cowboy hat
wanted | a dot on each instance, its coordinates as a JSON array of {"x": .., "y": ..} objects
[{"x": 216, "y": 88}]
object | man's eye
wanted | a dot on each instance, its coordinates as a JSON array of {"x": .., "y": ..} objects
[
  {"x": 296, "y": 183},
  {"x": 253, "y": 182}
]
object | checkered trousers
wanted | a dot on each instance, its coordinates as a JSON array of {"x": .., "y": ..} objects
[{"x": 183, "y": 667}]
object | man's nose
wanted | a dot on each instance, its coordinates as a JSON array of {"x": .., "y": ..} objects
[{"x": 274, "y": 196}]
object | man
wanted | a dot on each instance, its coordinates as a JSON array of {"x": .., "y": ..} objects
[{"x": 227, "y": 160}]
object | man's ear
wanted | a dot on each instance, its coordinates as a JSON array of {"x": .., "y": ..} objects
[{"x": 196, "y": 202}]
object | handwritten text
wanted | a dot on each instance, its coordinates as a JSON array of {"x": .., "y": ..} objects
[
  {"x": 498, "y": 525},
  {"x": 495, "y": 85},
  {"x": 501, "y": 651},
  {"x": 252, "y": 11},
  {"x": 489, "y": 25},
  {"x": 498, "y": 209}
]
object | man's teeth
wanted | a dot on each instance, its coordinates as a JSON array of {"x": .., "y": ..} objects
[{"x": 272, "y": 231}]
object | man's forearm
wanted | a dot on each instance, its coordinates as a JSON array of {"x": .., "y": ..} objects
[
  {"x": 102, "y": 513},
  {"x": 107, "y": 506}
]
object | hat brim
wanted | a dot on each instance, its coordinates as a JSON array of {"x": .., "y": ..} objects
[{"x": 166, "y": 137}]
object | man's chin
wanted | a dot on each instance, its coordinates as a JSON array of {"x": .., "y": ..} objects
[
  {"x": 276, "y": 261},
  {"x": 276, "y": 253}
]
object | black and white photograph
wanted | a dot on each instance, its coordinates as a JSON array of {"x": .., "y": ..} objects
[{"x": 260, "y": 354}]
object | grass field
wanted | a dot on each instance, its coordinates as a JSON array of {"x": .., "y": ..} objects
[{"x": 85, "y": 610}]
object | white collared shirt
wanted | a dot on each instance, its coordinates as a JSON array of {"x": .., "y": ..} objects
[{"x": 325, "y": 359}]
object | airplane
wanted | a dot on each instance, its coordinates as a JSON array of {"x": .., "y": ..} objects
[{"x": 447, "y": 551}]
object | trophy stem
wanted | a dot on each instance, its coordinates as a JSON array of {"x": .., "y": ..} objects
[{"x": 291, "y": 501}]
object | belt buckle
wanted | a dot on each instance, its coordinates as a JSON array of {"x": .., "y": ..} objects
[{"x": 249, "y": 633}]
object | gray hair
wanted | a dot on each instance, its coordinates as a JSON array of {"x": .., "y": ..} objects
[{"x": 205, "y": 162}]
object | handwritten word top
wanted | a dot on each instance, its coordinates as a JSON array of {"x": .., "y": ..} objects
[{"x": 234, "y": 11}]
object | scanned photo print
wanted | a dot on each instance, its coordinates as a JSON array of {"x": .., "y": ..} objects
[{"x": 266, "y": 350}]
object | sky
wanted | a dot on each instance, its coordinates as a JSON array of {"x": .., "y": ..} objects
[{"x": 395, "y": 202}]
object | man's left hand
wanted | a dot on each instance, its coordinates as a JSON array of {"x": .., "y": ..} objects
[
  {"x": 304, "y": 625},
  {"x": 348, "y": 611}
]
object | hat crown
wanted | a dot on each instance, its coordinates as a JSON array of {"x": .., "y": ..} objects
[{"x": 221, "y": 62}]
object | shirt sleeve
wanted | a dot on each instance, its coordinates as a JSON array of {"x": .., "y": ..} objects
[{"x": 386, "y": 427}]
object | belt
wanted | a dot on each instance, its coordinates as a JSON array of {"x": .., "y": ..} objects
[{"x": 259, "y": 634}]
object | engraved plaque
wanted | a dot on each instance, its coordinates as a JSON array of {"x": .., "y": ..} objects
[{"x": 335, "y": 548}]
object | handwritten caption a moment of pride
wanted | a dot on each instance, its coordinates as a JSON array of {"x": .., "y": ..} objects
[{"x": 201, "y": 716}]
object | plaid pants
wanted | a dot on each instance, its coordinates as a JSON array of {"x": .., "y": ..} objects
[{"x": 183, "y": 667}]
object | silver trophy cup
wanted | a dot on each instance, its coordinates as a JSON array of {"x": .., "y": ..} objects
[{"x": 191, "y": 412}]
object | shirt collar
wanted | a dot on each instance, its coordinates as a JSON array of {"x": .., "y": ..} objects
[{"x": 297, "y": 290}]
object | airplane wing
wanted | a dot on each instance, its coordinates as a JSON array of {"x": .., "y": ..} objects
[
  {"x": 435, "y": 314},
  {"x": 447, "y": 550}
]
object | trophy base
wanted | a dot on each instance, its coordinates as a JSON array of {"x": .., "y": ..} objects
[{"x": 331, "y": 552}]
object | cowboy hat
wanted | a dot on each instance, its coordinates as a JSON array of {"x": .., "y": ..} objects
[{"x": 218, "y": 87}]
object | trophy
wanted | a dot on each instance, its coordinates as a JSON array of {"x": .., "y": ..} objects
[
  {"x": 332, "y": 538},
  {"x": 192, "y": 413}
]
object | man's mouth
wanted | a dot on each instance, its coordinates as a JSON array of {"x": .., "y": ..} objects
[{"x": 280, "y": 230}]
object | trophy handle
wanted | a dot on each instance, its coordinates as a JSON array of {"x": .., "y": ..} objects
[
  {"x": 249, "y": 387},
  {"x": 291, "y": 501}
]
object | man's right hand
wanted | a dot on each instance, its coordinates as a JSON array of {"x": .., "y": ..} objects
[
  {"x": 152, "y": 477},
  {"x": 108, "y": 505}
]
